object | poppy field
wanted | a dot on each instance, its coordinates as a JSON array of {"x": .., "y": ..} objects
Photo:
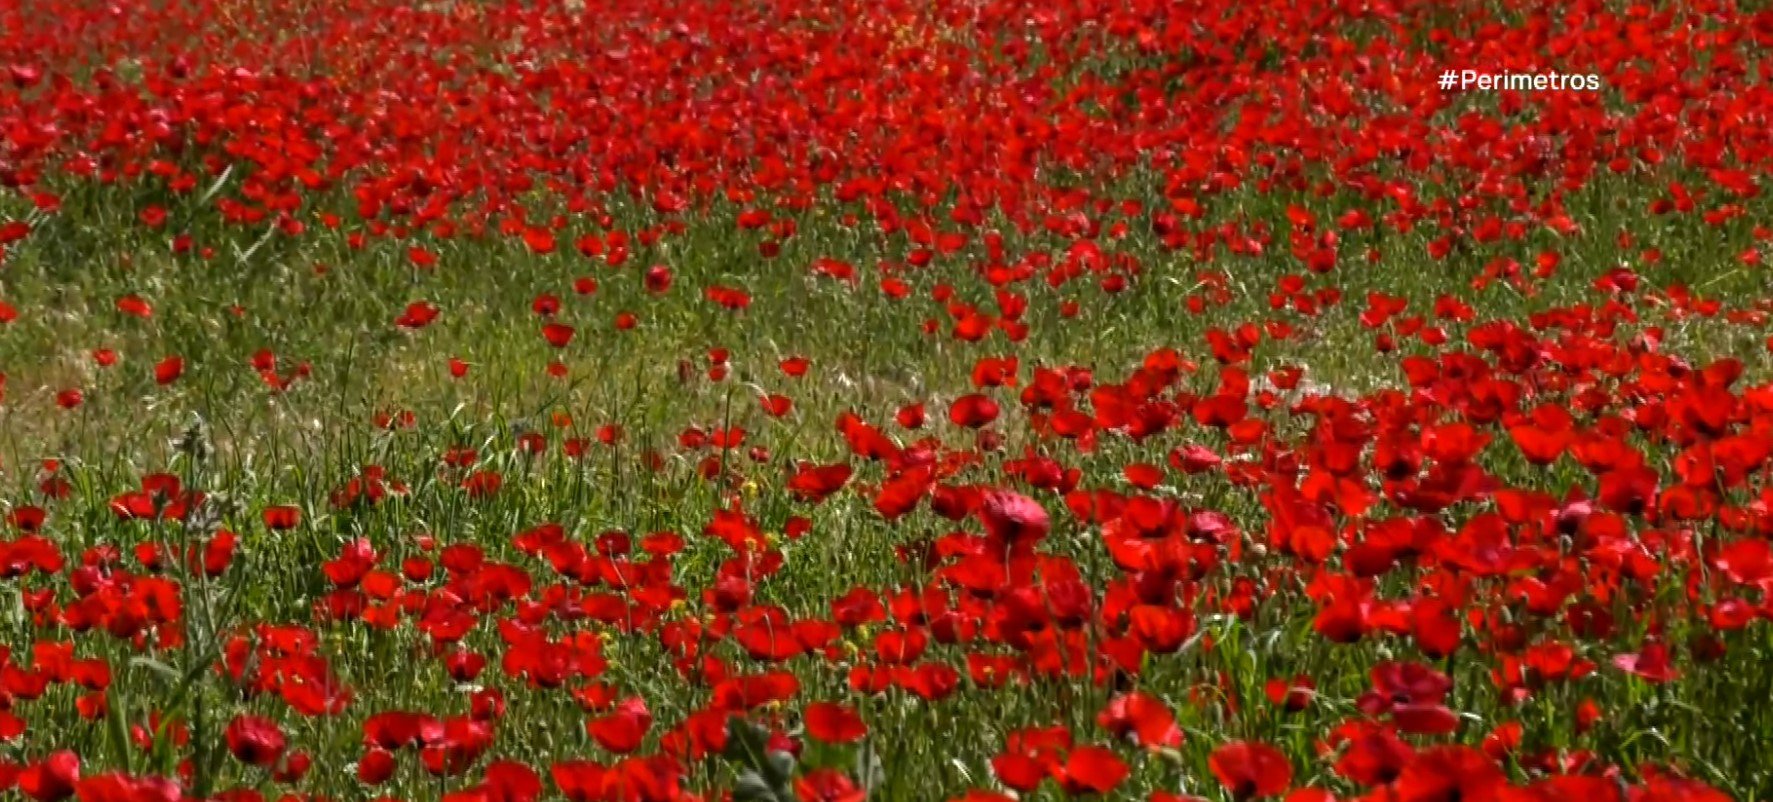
[{"x": 922, "y": 400}]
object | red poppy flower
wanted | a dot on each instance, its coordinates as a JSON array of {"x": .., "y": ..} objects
[
  {"x": 623, "y": 730},
  {"x": 1090, "y": 769},
  {"x": 169, "y": 370},
  {"x": 973, "y": 411},
  {"x": 52, "y": 779},
  {"x": 1652, "y": 664},
  {"x": 827, "y": 785},
  {"x": 134, "y": 305},
  {"x": 255, "y": 741},
  {"x": 1450, "y": 772},
  {"x": 557, "y": 334},
  {"x": 282, "y": 517},
  {"x": 834, "y": 723},
  {"x": 1014, "y": 519},
  {"x": 776, "y": 405},
  {"x": 1251, "y": 770},
  {"x": 511, "y": 781},
  {"x": 1145, "y": 717}
]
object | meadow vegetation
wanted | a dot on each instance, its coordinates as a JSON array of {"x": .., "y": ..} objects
[{"x": 957, "y": 400}]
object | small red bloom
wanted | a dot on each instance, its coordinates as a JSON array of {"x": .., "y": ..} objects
[
  {"x": 255, "y": 741},
  {"x": 1251, "y": 770},
  {"x": 973, "y": 411},
  {"x": 1090, "y": 769},
  {"x": 1651, "y": 664},
  {"x": 282, "y": 517},
  {"x": 623, "y": 730},
  {"x": 1014, "y": 519},
  {"x": 169, "y": 370},
  {"x": 557, "y": 334},
  {"x": 376, "y": 767},
  {"x": 834, "y": 723},
  {"x": 134, "y": 306},
  {"x": 1145, "y": 717}
]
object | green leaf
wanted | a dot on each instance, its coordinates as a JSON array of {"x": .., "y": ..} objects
[
  {"x": 165, "y": 671},
  {"x": 752, "y": 788},
  {"x": 761, "y": 770},
  {"x": 870, "y": 771},
  {"x": 779, "y": 768},
  {"x": 746, "y": 742},
  {"x": 119, "y": 732}
]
